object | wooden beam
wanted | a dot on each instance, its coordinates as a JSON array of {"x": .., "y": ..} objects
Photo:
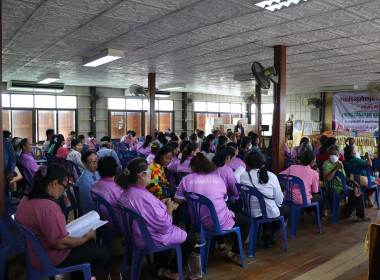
[
  {"x": 279, "y": 111},
  {"x": 258, "y": 113},
  {"x": 151, "y": 103},
  {"x": 93, "y": 110}
]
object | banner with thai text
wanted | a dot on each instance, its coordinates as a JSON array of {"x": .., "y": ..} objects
[{"x": 355, "y": 112}]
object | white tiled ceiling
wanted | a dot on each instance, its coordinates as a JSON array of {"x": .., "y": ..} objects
[{"x": 202, "y": 43}]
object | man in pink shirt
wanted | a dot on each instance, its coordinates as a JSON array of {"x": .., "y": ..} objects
[
  {"x": 68, "y": 139},
  {"x": 310, "y": 179}
]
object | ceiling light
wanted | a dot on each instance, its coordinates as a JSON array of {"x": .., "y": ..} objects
[
  {"x": 103, "y": 57},
  {"x": 273, "y": 5},
  {"x": 49, "y": 78},
  {"x": 172, "y": 86}
]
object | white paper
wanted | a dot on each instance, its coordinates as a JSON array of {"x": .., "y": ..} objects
[{"x": 84, "y": 224}]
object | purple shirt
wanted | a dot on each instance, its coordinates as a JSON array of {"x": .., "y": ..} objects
[
  {"x": 287, "y": 151},
  {"x": 172, "y": 170},
  {"x": 199, "y": 144},
  {"x": 139, "y": 149},
  {"x": 150, "y": 158},
  {"x": 110, "y": 191},
  {"x": 296, "y": 151},
  {"x": 45, "y": 219},
  {"x": 211, "y": 186},
  {"x": 316, "y": 151},
  {"x": 153, "y": 211},
  {"x": 185, "y": 166},
  {"x": 236, "y": 163},
  {"x": 229, "y": 179},
  {"x": 212, "y": 147},
  {"x": 28, "y": 162}
]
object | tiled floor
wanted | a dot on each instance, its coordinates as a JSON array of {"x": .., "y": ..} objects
[{"x": 337, "y": 253}]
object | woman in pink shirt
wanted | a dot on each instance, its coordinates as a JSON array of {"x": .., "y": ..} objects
[
  {"x": 188, "y": 153},
  {"x": 235, "y": 162},
  {"x": 91, "y": 141},
  {"x": 172, "y": 167},
  {"x": 143, "y": 147},
  {"x": 107, "y": 188},
  {"x": 26, "y": 159},
  {"x": 310, "y": 179},
  {"x": 204, "y": 181},
  {"x": 59, "y": 150},
  {"x": 39, "y": 212},
  {"x": 154, "y": 147},
  {"x": 222, "y": 159},
  {"x": 157, "y": 214}
]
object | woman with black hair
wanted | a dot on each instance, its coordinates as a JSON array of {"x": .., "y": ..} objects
[
  {"x": 210, "y": 139},
  {"x": 194, "y": 139},
  {"x": 206, "y": 150},
  {"x": 324, "y": 154},
  {"x": 310, "y": 178},
  {"x": 173, "y": 165},
  {"x": 296, "y": 150},
  {"x": 154, "y": 147},
  {"x": 162, "y": 139},
  {"x": 222, "y": 159},
  {"x": 187, "y": 154},
  {"x": 39, "y": 212},
  {"x": 162, "y": 158},
  {"x": 143, "y": 147},
  {"x": 235, "y": 162},
  {"x": 203, "y": 180},
  {"x": 267, "y": 184},
  {"x": 75, "y": 153},
  {"x": 222, "y": 141},
  {"x": 59, "y": 150},
  {"x": 158, "y": 216},
  {"x": 245, "y": 146}
]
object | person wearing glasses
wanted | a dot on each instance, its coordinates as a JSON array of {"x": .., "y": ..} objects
[
  {"x": 157, "y": 214},
  {"x": 86, "y": 180},
  {"x": 39, "y": 212}
]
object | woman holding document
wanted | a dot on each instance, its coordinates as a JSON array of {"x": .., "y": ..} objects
[{"x": 39, "y": 213}]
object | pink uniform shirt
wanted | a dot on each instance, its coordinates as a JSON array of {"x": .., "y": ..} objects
[
  {"x": 230, "y": 181},
  {"x": 110, "y": 191},
  {"x": 185, "y": 166},
  {"x": 138, "y": 148},
  {"x": 45, "y": 219},
  {"x": 153, "y": 211},
  {"x": 236, "y": 163},
  {"x": 310, "y": 179},
  {"x": 211, "y": 186}
]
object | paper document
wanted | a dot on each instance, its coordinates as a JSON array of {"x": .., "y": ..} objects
[{"x": 84, "y": 224}]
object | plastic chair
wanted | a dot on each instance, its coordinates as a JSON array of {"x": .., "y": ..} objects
[
  {"x": 126, "y": 158},
  {"x": 182, "y": 174},
  {"x": 168, "y": 190},
  {"x": 28, "y": 178},
  {"x": 142, "y": 155},
  {"x": 359, "y": 171},
  {"x": 130, "y": 219},
  {"x": 74, "y": 205},
  {"x": 74, "y": 170},
  {"x": 290, "y": 181},
  {"x": 9, "y": 245},
  {"x": 268, "y": 163},
  {"x": 97, "y": 147},
  {"x": 122, "y": 146},
  {"x": 106, "y": 212},
  {"x": 336, "y": 197},
  {"x": 246, "y": 192},
  {"x": 113, "y": 145},
  {"x": 38, "y": 155},
  {"x": 48, "y": 269},
  {"x": 196, "y": 202}
]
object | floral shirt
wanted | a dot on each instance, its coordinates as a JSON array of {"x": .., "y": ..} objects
[{"x": 158, "y": 175}]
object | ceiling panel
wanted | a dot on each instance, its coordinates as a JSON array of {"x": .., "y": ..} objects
[{"x": 86, "y": 6}]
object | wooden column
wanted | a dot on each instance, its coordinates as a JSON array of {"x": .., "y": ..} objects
[
  {"x": 184, "y": 111},
  {"x": 258, "y": 113},
  {"x": 151, "y": 103},
  {"x": 93, "y": 110},
  {"x": 279, "y": 111}
]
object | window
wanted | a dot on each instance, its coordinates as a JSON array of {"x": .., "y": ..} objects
[
  {"x": 133, "y": 104},
  {"x": 165, "y": 105},
  {"x": 236, "y": 107},
  {"x": 45, "y": 120},
  {"x": 22, "y": 123},
  {"x": 21, "y": 101},
  {"x": 200, "y": 106},
  {"x": 212, "y": 107},
  {"x": 118, "y": 124},
  {"x": 6, "y": 120},
  {"x": 66, "y": 122},
  {"x": 134, "y": 122},
  {"x": 267, "y": 116},
  {"x": 116, "y": 103},
  {"x": 6, "y": 100},
  {"x": 226, "y": 118},
  {"x": 44, "y": 101},
  {"x": 225, "y": 107},
  {"x": 253, "y": 114},
  {"x": 67, "y": 102}
]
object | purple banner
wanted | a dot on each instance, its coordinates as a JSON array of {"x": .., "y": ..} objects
[{"x": 355, "y": 111}]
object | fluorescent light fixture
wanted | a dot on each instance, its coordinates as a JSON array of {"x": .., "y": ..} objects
[
  {"x": 338, "y": 88},
  {"x": 172, "y": 86},
  {"x": 103, "y": 57},
  {"x": 273, "y": 5},
  {"x": 48, "y": 79}
]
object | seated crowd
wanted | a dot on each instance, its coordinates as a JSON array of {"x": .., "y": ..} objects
[{"x": 210, "y": 166}]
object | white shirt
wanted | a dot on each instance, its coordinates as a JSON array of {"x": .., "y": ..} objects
[
  {"x": 270, "y": 189},
  {"x": 208, "y": 155}
]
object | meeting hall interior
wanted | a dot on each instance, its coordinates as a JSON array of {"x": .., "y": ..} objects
[{"x": 190, "y": 139}]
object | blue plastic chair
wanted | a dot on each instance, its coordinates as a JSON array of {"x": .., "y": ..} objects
[
  {"x": 168, "y": 190},
  {"x": 9, "y": 245},
  {"x": 130, "y": 219},
  {"x": 268, "y": 163},
  {"x": 97, "y": 147},
  {"x": 28, "y": 178},
  {"x": 122, "y": 146},
  {"x": 246, "y": 192},
  {"x": 290, "y": 181},
  {"x": 126, "y": 158},
  {"x": 142, "y": 155},
  {"x": 336, "y": 197},
  {"x": 196, "y": 202},
  {"x": 106, "y": 232},
  {"x": 48, "y": 269},
  {"x": 74, "y": 205},
  {"x": 74, "y": 170},
  {"x": 38, "y": 155},
  {"x": 359, "y": 171}
]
